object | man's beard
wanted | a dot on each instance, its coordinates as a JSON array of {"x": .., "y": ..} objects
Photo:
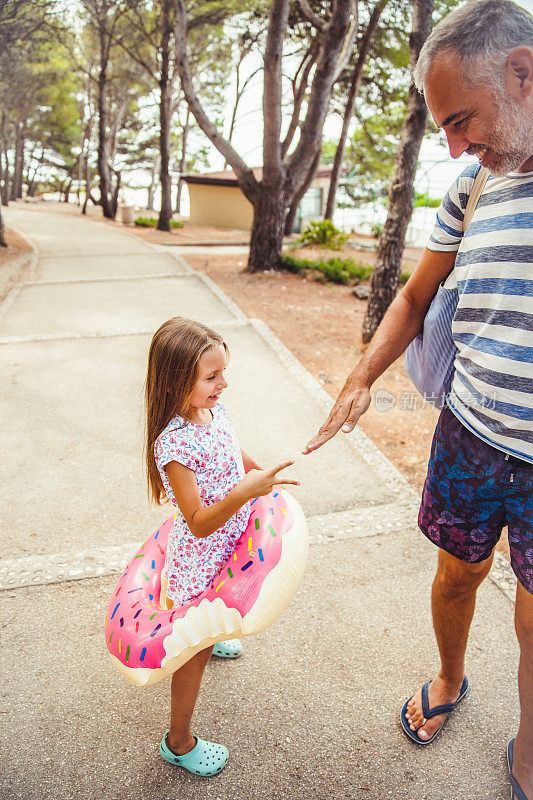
[{"x": 512, "y": 141}]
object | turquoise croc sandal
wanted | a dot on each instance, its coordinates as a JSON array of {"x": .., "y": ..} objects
[
  {"x": 231, "y": 648},
  {"x": 205, "y": 759}
]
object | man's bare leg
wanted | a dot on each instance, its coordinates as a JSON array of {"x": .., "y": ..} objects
[
  {"x": 523, "y": 746},
  {"x": 453, "y": 600}
]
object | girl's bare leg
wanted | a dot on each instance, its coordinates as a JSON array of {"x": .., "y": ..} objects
[{"x": 183, "y": 693}]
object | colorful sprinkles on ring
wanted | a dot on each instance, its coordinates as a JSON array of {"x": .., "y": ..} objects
[{"x": 134, "y": 613}]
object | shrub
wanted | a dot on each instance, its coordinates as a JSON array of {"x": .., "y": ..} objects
[
  {"x": 151, "y": 222},
  {"x": 323, "y": 233},
  {"x": 425, "y": 201},
  {"x": 335, "y": 270},
  {"x": 376, "y": 229},
  {"x": 294, "y": 264}
]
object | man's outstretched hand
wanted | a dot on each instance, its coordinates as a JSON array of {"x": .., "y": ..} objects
[{"x": 351, "y": 403}]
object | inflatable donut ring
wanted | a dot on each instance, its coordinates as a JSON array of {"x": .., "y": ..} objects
[{"x": 147, "y": 642}]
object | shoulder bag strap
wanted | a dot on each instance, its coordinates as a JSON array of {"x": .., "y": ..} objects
[
  {"x": 473, "y": 198},
  {"x": 475, "y": 194}
]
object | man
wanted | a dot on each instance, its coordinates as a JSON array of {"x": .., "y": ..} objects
[{"x": 476, "y": 72}]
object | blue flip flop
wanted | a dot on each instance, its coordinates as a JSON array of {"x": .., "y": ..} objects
[
  {"x": 516, "y": 789},
  {"x": 231, "y": 648},
  {"x": 428, "y": 712},
  {"x": 205, "y": 759}
]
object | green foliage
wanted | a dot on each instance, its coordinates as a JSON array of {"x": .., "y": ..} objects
[
  {"x": 141, "y": 45},
  {"x": 380, "y": 105},
  {"x": 335, "y": 270},
  {"x": 21, "y": 22},
  {"x": 376, "y": 229},
  {"x": 39, "y": 97},
  {"x": 55, "y": 118},
  {"x": 323, "y": 233},
  {"x": 151, "y": 222},
  {"x": 423, "y": 200},
  {"x": 370, "y": 152},
  {"x": 49, "y": 63}
]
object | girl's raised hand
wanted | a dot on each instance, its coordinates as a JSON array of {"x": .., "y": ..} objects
[{"x": 258, "y": 482}]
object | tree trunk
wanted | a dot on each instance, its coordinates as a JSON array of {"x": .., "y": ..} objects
[
  {"x": 153, "y": 181},
  {"x": 18, "y": 171},
  {"x": 19, "y": 175},
  {"x": 5, "y": 186},
  {"x": 116, "y": 126},
  {"x": 8, "y": 179},
  {"x": 165, "y": 116},
  {"x": 103, "y": 162},
  {"x": 293, "y": 210},
  {"x": 116, "y": 192},
  {"x": 270, "y": 199},
  {"x": 84, "y": 156},
  {"x": 86, "y": 180},
  {"x": 183, "y": 159},
  {"x": 28, "y": 163},
  {"x": 80, "y": 167},
  {"x": 386, "y": 273},
  {"x": 32, "y": 182},
  {"x": 165, "y": 215},
  {"x": 266, "y": 238},
  {"x": 3, "y": 242},
  {"x": 5, "y": 167},
  {"x": 348, "y": 111},
  {"x": 2, "y": 146}
]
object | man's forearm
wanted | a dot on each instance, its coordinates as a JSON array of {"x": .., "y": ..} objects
[{"x": 402, "y": 322}]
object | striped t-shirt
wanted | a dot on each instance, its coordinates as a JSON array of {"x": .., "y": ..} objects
[{"x": 492, "y": 388}]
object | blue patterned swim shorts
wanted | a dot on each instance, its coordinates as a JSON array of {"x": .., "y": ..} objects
[{"x": 472, "y": 491}]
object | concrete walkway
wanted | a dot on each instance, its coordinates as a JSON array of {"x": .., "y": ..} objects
[{"x": 311, "y": 710}]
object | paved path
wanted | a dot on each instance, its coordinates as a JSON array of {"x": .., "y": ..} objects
[{"x": 311, "y": 709}]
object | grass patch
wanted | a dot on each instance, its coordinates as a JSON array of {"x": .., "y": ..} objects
[
  {"x": 335, "y": 270},
  {"x": 151, "y": 222}
]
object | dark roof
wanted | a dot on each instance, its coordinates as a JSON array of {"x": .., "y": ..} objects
[{"x": 227, "y": 177}]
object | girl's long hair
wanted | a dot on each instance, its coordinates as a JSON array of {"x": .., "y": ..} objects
[{"x": 172, "y": 372}]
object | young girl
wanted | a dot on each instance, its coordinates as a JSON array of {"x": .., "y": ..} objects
[{"x": 193, "y": 459}]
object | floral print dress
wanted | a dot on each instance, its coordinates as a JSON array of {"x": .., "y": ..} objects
[{"x": 212, "y": 452}]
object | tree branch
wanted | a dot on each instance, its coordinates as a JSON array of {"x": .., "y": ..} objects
[
  {"x": 348, "y": 44},
  {"x": 272, "y": 91},
  {"x": 148, "y": 35},
  {"x": 331, "y": 46},
  {"x": 244, "y": 174},
  {"x": 299, "y": 95},
  {"x": 137, "y": 58},
  {"x": 315, "y": 19},
  {"x": 364, "y": 47}
]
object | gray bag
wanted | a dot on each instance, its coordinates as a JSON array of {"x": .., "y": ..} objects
[{"x": 429, "y": 359}]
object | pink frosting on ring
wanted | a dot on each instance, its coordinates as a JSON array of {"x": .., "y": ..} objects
[{"x": 136, "y": 625}]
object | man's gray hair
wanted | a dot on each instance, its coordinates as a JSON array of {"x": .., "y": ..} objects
[{"x": 482, "y": 33}]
